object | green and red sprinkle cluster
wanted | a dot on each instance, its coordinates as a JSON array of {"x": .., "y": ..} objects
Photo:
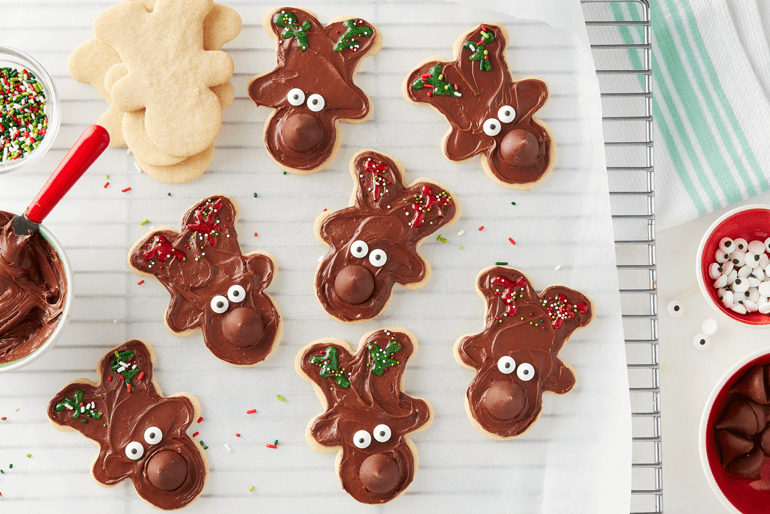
[
  {"x": 123, "y": 365},
  {"x": 383, "y": 359},
  {"x": 330, "y": 367},
  {"x": 23, "y": 122},
  {"x": 291, "y": 28},
  {"x": 78, "y": 407},
  {"x": 434, "y": 82},
  {"x": 478, "y": 52},
  {"x": 560, "y": 309},
  {"x": 354, "y": 28}
]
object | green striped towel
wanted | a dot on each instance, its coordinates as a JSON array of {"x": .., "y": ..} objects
[{"x": 711, "y": 79}]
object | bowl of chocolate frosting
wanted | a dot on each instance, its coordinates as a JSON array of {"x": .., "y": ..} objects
[{"x": 35, "y": 295}]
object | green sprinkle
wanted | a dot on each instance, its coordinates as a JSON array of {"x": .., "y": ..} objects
[
  {"x": 145, "y": 222},
  {"x": 276, "y": 442},
  {"x": 255, "y": 195},
  {"x": 205, "y": 447},
  {"x": 10, "y": 466},
  {"x": 201, "y": 442},
  {"x": 513, "y": 203},
  {"x": 461, "y": 248},
  {"x": 501, "y": 263},
  {"x": 107, "y": 177},
  {"x": 442, "y": 239},
  {"x": 284, "y": 173},
  {"x": 280, "y": 397},
  {"x": 1, "y": 471},
  {"x": 169, "y": 194},
  {"x": 29, "y": 455},
  {"x": 251, "y": 488}
]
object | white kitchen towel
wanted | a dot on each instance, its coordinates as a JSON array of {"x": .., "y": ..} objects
[{"x": 711, "y": 80}]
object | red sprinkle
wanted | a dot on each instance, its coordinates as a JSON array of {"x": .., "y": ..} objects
[
  {"x": 109, "y": 378},
  {"x": 255, "y": 234},
  {"x": 251, "y": 411},
  {"x": 106, "y": 184},
  {"x": 126, "y": 189},
  {"x": 481, "y": 228},
  {"x": 274, "y": 447},
  {"x": 140, "y": 282},
  {"x": 196, "y": 434},
  {"x": 141, "y": 375},
  {"x": 3, "y": 418},
  {"x": 237, "y": 434},
  {"x": 511, "y": 240},
  {"x": 200, "y": 419},
  {"x": 324, "y": 210},
  {"x": 128, "y": 386}
]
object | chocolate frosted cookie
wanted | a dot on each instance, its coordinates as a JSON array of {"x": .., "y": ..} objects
[
  {"x": 213, "y": 285},
  {"x": 367, "y": 417},
  {"x": 33, "y": 290},
  {"x": 516, "y": 357},
  {"x": 373, "y": 243},
  {"x": 489, "y": 113},
  {"x": 311, "y": 88},
  {"x": 140, "y": 433}
]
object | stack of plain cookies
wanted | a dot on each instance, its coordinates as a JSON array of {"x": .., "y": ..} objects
[{"x": 158, "y": 65}]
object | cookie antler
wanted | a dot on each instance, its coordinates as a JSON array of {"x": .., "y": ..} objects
[
  {"x": 366, "y": 416},
  {"x": 487, "y": 110}
]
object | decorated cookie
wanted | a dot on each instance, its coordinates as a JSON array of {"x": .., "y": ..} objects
[
  {"x": 373, "y": 243},
  {"x": 312, "y": 87},
  {"x": 743, "y": 430},
  {"x": 183, "y": 115},
  {"x": 489, "y": 113},
  {"x": 141, "y": 434},
  {"x": 367, "y": 417},
  {"x": 213, "y": 285},
  {"x": 516, "y": 357}
]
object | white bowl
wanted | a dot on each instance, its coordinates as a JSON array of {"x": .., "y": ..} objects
[{"x": 9, "y": 366}]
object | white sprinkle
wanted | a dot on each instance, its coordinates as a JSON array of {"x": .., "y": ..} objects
[
  {"x": 136, "y": 165},
  {"x": 227, "y": 447},
  {"x": 320, "y": 258},
  {"x": 133, "y": 367},
  {"x": 457, "y": 93},
  {"x": 557, "y": 268},
  {"x": 114, "y": 321},
  {"x": 461, "y": 233},
  {"x": 82, "y": 409},
  {"x": 128, "y": 151},
  {"x": 68, "y": 407}
]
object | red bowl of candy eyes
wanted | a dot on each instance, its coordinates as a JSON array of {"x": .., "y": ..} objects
[
  {"x": 737, "y": 494},
  {"x": 751, "y": 222}
]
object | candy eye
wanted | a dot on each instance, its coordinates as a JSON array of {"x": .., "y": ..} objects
[
  {"x": 315, "y": 102},
  {"x": 134, "y": 450},
  {"x": 506, "y": 114},
  {"x": 219, "y": 304},
  {"x": 382, "y": 433},
  {"x": 491, "y": 127},
  {"x": 675, "y": 309},
  {"x": 378, "y": 258},
  {"x": 526, "y": 372},
  {"x": 362, "y": 439},
  {"x": 701, "y": 342},
  {"x": 152, "y": 435},
  {"x": 236, "y": 294},
  {"x": 359, "y": 249},
  {"x": 506, "y": 365},
  {"x": 296, "y": 97}
]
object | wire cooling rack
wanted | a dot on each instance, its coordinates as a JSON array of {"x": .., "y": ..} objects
[{"x": 625, "y": 79}]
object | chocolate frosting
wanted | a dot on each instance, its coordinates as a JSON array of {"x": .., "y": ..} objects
[
  {"x": 171, "y": 472},
  {"x": 205, "y": 261},
  {"x": 33, "y": 289},
  {"x": 521, "y": 153},
  {"x": 530, "y": 329},
  {"x": 743, "y": 430},
  {"x": 298, "y": 137},
  {"x": 367, "y": 401},
  {"x": 388, "y": 217}
]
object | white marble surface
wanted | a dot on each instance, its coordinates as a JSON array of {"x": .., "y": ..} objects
[{"x": 687, "y": 375}]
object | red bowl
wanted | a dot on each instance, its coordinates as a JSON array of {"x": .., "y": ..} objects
[
  {"x": 735, "y": 493},
  {"x": 749, "y": 222}
]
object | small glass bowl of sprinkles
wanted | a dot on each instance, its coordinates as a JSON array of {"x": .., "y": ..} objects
[{"x": 29, "y": 110}]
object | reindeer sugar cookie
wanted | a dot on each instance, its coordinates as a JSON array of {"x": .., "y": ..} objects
[
  {"x": 213, "y": 285},
  {"x": 373, "y": 243},
  {"x": 141, "y": 434},
  {"x": 312, "y": 87},
  {"x": 488, "y": 112},
  {"x": 516, "y": 357},
  {"x": 367, "y": 417}
]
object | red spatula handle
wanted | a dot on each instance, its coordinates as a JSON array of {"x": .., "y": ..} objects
[{"x": 82, "y": 155}]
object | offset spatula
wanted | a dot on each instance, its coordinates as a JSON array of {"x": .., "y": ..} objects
[{"x": 80, "y": 157}]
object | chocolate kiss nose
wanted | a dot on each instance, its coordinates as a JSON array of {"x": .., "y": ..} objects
[
  {"x": 504, "y": 400},
  {"x": 242, "y": 327},
  {"x": 379, "y": 473},
  {"x": 301, "y": 132},
  {"x": 354, "y": 284},
  {"x": 519, "y": 148},
  {"x": 167, "y": 470}
]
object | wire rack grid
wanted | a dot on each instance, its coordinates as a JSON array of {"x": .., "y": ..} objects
[{"x": 620, "y": 36}]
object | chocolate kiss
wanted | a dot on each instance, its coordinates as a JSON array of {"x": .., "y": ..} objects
[
  {"x": 732, "y": 446},
  {"x": 764, "y": 440},
  {"x": 741, "y": 417},
  {"x": 752, "y": 384},
  {"x": 749, "y": 465}
]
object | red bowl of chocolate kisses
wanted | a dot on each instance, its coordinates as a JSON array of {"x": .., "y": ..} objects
[
  {"x": 733, "y": 265},
  {"x": 734, "y": 436}
]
